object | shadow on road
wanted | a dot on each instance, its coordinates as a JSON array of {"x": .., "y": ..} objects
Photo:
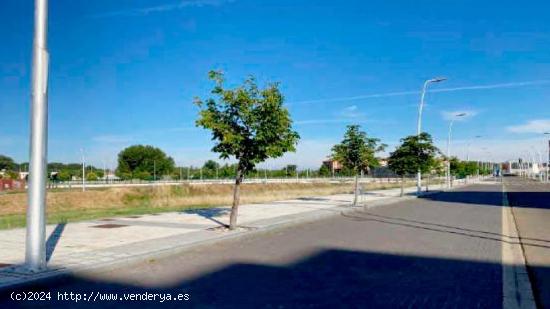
[
  {"x": 539, "y": 200},
  {"x": 329, "y": 278},
  {"x": 435, "y": 227}
]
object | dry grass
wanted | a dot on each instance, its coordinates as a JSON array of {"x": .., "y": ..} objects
[
  {"x": 166, "y": 196},
  {"x": 98, "y": 203}
]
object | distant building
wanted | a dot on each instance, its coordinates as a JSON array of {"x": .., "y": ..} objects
[
  {"x": 110, "y": 176},
  {"x": 333, "y": 165},
  {"x": 23, "y": 175}
]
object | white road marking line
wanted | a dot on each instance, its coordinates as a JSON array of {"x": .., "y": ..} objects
[{"x": 516, "y": 287}]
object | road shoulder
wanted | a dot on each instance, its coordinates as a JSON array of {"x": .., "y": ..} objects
[{"x": 516, "y": 286}]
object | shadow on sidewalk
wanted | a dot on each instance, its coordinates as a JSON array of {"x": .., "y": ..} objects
[
  {"x": 53, "y": 240},
  {"x": 210, "y": 214}
]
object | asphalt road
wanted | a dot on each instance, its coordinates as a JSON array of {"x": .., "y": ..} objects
[{"x": 437, "y": 252}]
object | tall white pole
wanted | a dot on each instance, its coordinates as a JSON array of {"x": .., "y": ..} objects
[
  {"x": 548, "y": 162},
  {"x": 104, "y": 171},
  {"x": 83, "y": 170},
  {"x": 547, "y": 144},
  {"x": 449, "y": 154},
  {"x": 540, "y": 164},
  {"x": 419, "y": 130},
  {"x": 419, "y": 123},
  {"x": 35, "y": 250}
]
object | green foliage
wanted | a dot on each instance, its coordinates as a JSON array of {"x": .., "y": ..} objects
[
  {"x": 211, "y": 165},
  {"x": 247, "y": 123},
  {"x": 357, "y": 151},
  {"x": 210, "y": 169},
  {"x": 462, "y": 169},
  {"x": 7, "y": 163},
  {"x": 91, "y": 176},
  {"x": 64, "y": 175},
  {"x": 416, "y": 152},
  {"x": 66, "y": 171},
  {"x": 141, "y": 162},
  {"x": 290, "y": 170},
  {"x": 324, "y": 171},
  {"x": 9, "y": 175}
]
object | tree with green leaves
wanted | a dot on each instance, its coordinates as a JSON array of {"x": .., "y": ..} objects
[
  {"x": 7, "y": 163},
  {"x": 247, "y": 123},
  {"x": 91, "y": 176},
  {"x": 143, "y": 162},
  {"x": 357, "y": 153},
  {"x": 324, "y": 171},
  {"x": 416, "y": 153},
  {"x": 290, "y": 170}
]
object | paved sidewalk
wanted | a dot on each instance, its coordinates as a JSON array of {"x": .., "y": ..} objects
[{"x": 101, "y": 244}]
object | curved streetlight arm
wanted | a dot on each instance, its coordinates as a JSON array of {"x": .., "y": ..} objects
[{"x": 421, "y": 107}]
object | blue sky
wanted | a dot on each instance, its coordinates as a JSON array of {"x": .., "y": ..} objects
[{"x": 125, "y": 72}]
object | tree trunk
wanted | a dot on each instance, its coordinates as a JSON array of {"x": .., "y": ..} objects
[
  {"x": 236, "y": 199},
  {"x": 356, "y": 190},
  {"x": 402, "y": 185}
]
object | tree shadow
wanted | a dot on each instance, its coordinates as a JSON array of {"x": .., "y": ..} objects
[
  {"x": 210, "y": 214},
  {"x": 313, "y": 199},
  {"x": 466, "y": 197},
  {"x": 539, "y": 200},
  {"x": 534, "y": 199},
  {"x": 435, "y": 227},
  {"x": 328, "y": 278}
]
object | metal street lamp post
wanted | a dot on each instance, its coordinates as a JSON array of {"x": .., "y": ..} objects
[
  {"x": 547, "y": 158},
  {"x": 83, "y": 170},
  {"x": 419, "y": 122},
  {"x": 449, "y": 148},
  {"x": 35, "y": 246}
]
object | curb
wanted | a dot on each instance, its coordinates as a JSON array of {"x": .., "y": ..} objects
[
  {"x": 59, "y": 274},
  {"x": 517, "y": 291}
]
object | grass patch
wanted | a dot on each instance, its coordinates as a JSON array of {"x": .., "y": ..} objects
[{"x": 73, "y": 206}]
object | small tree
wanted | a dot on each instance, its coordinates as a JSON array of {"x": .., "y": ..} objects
[
  {"x": 416, "y": 153},
  {"x": 357, "y": 152},
  {"x": 247, "y": 123}
]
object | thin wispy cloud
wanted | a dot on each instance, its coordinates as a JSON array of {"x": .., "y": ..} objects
[
  {"x": 352, "y": 112},
  {"x": 532, "y": 126},
  {"x": 163, "y": 8},
  {"x": 417, "y": 92}
]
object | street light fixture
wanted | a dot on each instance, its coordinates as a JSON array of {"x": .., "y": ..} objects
[
  {"x": 456, "y": 116},
  {"x": 419, "y": 122}
]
